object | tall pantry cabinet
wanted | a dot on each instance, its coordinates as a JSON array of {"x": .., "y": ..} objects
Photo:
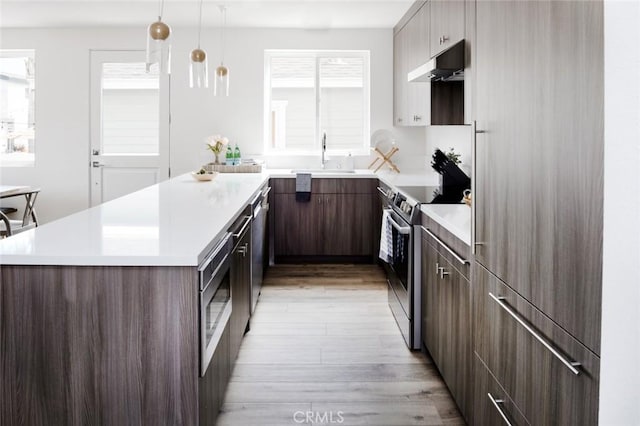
[{"x": 539, "y": 110}]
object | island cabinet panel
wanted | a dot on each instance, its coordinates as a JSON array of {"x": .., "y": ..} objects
[{"x": 98, "y": 345}]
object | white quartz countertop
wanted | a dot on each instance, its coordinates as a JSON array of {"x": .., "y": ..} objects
[
  {"x": 456, "y": 218},
  {"x": 173, "y": 223},
  {"x": 176, "y": 222}
]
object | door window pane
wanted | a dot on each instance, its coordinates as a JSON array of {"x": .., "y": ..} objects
[
  {"x": 130, "y": 109},
  {"x": 17, "y": 108}
]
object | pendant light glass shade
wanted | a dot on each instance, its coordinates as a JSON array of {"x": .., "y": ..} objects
[
  {"x": 198, "y": 69},
  {"x": 159, "y": 44},
  {"x": 221, "y": 80}
]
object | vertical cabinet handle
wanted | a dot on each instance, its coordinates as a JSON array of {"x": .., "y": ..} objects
[
  {"x": 496, "y": 403},
  {"x": 571, "y": 365},
  {"x": 437, "y": 268}
]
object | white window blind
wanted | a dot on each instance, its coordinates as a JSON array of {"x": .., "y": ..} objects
[{"x": 309, "y": 93}]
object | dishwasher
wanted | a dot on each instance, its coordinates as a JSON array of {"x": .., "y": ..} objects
[{"x": 260, "y": 207}]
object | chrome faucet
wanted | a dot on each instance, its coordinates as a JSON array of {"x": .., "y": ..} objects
[{"x": 324, "y": 149}]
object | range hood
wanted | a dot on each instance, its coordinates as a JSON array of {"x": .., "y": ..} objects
[{"x": 447, "y": 66}]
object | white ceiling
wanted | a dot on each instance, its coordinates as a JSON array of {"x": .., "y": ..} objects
[{"x": 314, "y": 14}]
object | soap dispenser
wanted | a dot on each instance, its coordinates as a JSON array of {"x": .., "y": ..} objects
[{"x": 349, "y": 163}]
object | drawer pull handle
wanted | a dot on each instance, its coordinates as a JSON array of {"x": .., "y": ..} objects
[
  {"x": 569, "y": 364},
  {"x": 496, "y": 403},
  {"x": 446, "y": 247}
]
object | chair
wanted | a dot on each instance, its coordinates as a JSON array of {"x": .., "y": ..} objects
[{"x": 29, "y": 220}]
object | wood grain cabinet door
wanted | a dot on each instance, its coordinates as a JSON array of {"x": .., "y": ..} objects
[
  {"x": 298, "y": 225},
  {"x": 446, "y": 24},
  {"x": 348, "y": 224},
  {"x": 539, "y": 169},
  {"x": 549, "y": 375},
  {"x": 446, "y": 323},
  {"x": 430, "y": 301},
  {"x": 492, "y": 405},
  {"x": 418, "y": 101},
  {"x": 399, "y": 83}
]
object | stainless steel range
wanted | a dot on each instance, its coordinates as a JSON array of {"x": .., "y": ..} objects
[{"x": 400, "y": 215}]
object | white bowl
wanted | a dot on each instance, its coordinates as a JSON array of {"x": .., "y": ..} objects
[{"x": 204, "y": 177}]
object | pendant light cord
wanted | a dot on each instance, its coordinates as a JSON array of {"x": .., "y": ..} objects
[
  {"x": 160, "y": 10},
  {"x": 223, "y": 9},
  {"x": 199, "y": 23}
]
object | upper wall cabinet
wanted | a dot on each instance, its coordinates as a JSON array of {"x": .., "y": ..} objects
[
  {"x": 411, "y": 49},
  {"x": 446, "y": 24}
]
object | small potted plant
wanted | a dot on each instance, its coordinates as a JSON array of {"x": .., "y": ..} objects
[
  {"x": 217, "y": 144},
  {"x": 454, "y": 156}
]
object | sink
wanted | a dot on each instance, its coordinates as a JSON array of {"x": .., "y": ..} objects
[{"x": 323, "y": 171}]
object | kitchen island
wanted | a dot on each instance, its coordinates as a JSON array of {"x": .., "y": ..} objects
[{"x": 101, "y": 312}]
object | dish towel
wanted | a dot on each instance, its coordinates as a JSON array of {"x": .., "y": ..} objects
[
  {"x": 303, "y": 187},
  {"x": 386, "y": 239}
]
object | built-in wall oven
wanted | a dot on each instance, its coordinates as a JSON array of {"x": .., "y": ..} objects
[
  {"x": 400, "y": 216},
  {"x": 215, "y": 299}
]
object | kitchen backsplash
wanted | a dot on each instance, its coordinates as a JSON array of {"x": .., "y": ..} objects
[{"x": 446, "y": 137}]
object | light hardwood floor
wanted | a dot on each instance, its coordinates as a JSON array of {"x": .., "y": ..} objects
[{"x": 324, "y": 341}]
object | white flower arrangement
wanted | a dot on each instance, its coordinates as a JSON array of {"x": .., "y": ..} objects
[{"x": 217, "y": 143}]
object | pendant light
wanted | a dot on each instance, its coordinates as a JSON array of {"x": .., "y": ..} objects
[
  {"x": 221, "y": 81},
  {"x": 198, "y": 67},
  {"x": 158, "y": 43}
]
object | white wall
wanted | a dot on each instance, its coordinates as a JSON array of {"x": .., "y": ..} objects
[
  {"x": 62, "y": 100},
  {"x": 620, "y": 356}
]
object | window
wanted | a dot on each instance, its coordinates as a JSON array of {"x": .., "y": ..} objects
[
  {"x": 17, "y": 108},
  {"x": 311, "y": 92}
]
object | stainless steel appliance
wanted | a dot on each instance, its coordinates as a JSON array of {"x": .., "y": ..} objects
[
  {"x": 403, "y": 277},
  {"x": 215, "y": 299},
  {"x": 447, "y": 66},
  {"x": 260, "y": 207}
]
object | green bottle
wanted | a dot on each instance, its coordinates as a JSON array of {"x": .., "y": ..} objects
[
  {"x": 229, "y": 157},
  {"x": 236, "y": 156}
]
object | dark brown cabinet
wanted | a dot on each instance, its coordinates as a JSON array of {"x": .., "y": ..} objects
[
  {"x": 240, "y": 288},
  {"x": 548, "y": 374},
  {"x": 446, "y": 302},
  {"x": 539, "y": 205},
  {"x": 446, "y": 24},
  {"x": 492, "y": 406},
  {"x": 339, "y": 220},
  {"x": 539, "y": 170}
]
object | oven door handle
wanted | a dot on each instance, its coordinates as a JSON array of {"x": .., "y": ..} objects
[{"x": 404, "y": 230}]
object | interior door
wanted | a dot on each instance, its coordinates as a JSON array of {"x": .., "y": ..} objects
[{"x": 129, "y": 125}]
